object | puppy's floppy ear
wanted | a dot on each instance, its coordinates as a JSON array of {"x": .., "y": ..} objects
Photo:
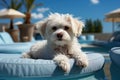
[
  {"x": 41, "y": 27},
  {"x": 76, "y": 25}
]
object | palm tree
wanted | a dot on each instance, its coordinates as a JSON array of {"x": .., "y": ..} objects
[
  {"x": 13, "y": 4},
  {"x": 89, "y": 26},
  {"x": 27, "y": 29},
  {"x": 29, "y": 5},
  {"x": 98, "y": 26}
]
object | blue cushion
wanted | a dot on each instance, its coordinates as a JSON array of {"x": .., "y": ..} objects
[
  {"x": 33, "y": 39},
  {"x": 1, "y": 41},
  {"x": 82, "y": 37},
  {"x": 115, "y": 55},
  {"x": 15, "y": 48},
  {"x": 90, "y": 37},
  {"x": 6, "y": 37},
  {"x": 7, "y": 45},
  {"x": 11, "y": 65}
]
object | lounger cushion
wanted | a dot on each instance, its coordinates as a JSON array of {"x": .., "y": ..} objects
[
  {"x": 90, "y": 37},
  {"x": 115, "y": 55},
  {"x": 6, "y": 37},
  {"x": 14, "y": 66},
  {"x": 15, "y": 48},
  {"x": 82, "y": 37},
  {"x": 86, "y": 39},
  {"x": 1, "y": 41}
]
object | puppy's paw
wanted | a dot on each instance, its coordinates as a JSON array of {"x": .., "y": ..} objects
[
  {"x": 63, "y": 62},
  {"x": 65, "y": 66},
  {"x": 82, "y": 63},
  {"x": 25, "y": 56}
]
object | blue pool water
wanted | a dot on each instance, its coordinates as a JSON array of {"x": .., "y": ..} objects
[{"x": 98, "y": 49}]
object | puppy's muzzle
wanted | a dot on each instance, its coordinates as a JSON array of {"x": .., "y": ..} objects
[{"x": 59, "y": 36}]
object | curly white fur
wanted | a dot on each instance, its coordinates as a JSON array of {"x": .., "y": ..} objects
[{"x": 60, "y": 32}]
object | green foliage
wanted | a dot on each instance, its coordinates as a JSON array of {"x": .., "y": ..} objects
[
  {"x": 14, "y": 4},
  {"x": 89, "y": 26},
  {"x": 92, "y": 26},
  {"x": 98, "y": 26},
  {"x": 29, "y": 5}
]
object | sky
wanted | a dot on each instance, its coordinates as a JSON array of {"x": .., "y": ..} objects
[{"x": 83, "y": 9}]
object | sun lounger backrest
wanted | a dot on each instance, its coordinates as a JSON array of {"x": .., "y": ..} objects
[
  {"x": 90, "y": 37},
  {"x": 82, "y": 37},
  {"x": 33, "y": 39},
  {"x": 6, "y": 38},
  {"x": 1, "y": 41}
]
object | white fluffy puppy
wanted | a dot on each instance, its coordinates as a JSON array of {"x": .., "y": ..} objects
[{"x": 60, "y": 32}]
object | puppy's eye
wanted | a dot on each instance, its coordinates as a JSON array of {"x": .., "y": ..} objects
[
  {"x": 66, "y": 27},
  {"x": 54, "y": 28}
]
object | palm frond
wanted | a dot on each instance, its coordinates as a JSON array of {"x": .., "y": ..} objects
[
  {"x": 4, "y": 3},
  {"x": 19, "y": 5},
  {"x": 29, "y": 4},
  {"x": 12, "y": 4}
]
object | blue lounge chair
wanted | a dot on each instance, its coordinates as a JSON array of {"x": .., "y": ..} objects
[
  {"x": 7, "y": 45},
  {"x": 114, "y": 41},
  {"x": 107, "y": 43}
]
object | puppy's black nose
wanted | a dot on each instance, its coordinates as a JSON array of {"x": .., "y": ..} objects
[{"x": 59, "y": 35}]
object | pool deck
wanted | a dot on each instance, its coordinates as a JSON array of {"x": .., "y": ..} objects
[{"x": 106, "y": 68}]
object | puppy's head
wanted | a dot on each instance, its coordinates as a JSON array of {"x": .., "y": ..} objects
[{"x": 60, "y": 28}]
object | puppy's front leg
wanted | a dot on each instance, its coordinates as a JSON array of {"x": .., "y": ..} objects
[
  {"x": 26, "y": 55},
  {"x": 63, "y": 62},
  {"x": 81, "y": 59}
]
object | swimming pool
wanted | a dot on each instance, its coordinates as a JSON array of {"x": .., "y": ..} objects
[{"x": 98, "y": 49}]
